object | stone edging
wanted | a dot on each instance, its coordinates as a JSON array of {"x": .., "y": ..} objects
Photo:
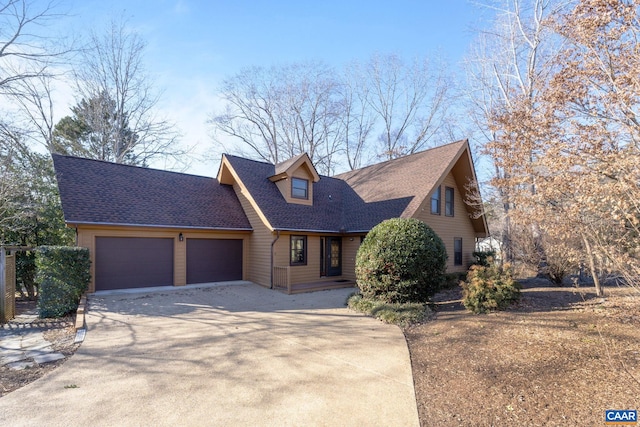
[{"x": 80, "y": 326}]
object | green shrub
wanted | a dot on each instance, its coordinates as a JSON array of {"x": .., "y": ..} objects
[
  {"x": 400, "y": 261},
  {"x": 489, "y": 288},
  {"x": 395, "y": 313},
  {"x": 452, "y": 280},
  {"x": 484, "y": 258},
  {"x": 63, "y": 274}
]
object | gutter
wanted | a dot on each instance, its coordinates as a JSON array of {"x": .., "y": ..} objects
[
  {"x": 175, "y": 226},
  {"x": 272, "y": 244},
  {"x": 341, "y": 231}
]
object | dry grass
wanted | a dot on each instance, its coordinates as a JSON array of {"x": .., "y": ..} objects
[{"x": 560, "y": 358}]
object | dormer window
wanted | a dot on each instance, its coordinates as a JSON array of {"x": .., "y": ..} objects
[
  {"x": 299, "y": 188},
  {"x": 295, "y": 178}
]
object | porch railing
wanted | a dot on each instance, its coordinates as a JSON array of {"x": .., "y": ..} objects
[{"x": 282, "y": 278}]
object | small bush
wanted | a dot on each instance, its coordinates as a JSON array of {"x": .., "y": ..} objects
[
  {"x": 63, "y": 274},
  {"x": 484, "y": 258},
  {"x": 489, "y": 288},
  {"x": 401, "y": 260},
  {"x": 395, "y": 313}
]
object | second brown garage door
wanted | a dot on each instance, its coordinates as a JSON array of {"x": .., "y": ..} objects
[{"x": 213, "y": 260}]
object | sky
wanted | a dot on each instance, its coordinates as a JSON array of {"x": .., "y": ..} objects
[{"x": 192, "y": 45}]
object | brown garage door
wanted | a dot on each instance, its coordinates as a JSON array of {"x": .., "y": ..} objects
[
  {"x": 133, "y": 262},
  {"x": 214, "y": 260}
]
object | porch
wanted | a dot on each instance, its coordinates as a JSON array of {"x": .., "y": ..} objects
[{"x": 282, "y": 282}]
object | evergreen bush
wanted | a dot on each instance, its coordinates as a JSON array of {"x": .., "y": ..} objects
[
  {"x": 63, "y": 274},
  {"x": 401, "y": 260},
  {"x": 489, "y": 288}
]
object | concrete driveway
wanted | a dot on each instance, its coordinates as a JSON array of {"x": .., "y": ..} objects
[{"x": 236, "y": 355}]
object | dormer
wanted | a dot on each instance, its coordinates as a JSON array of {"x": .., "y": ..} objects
[{"x": 295, "y": 178}]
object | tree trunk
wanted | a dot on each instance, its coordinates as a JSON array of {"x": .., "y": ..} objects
[{"x": 592, "y": 266}]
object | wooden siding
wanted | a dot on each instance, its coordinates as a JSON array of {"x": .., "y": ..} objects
[
  {"x": 350, "y": 246},
  {"x": 258, "y": 255},
  {"x": 311, "y": 271},
  {"x": 449, "y": 228},
  {"x": 299, "y": 273},
  {"x": 87, "y": 238},
  {"x": 284, "y": 185}
]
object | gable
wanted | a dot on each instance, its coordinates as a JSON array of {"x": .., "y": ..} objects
[
  {"x": 463, "y": 171},
  {"x": 354, "y": 201},
  {"x": 411, "y": 176}
]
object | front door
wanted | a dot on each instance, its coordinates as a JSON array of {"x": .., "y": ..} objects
[{"x": 333, "y": 256}]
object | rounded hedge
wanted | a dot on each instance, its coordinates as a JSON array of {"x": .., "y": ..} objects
[{"x": 401, "y": 260}]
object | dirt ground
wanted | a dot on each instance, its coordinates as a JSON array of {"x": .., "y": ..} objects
[
  {"x": 559, "y": 358},
  {"x": 60, "y": 333}
]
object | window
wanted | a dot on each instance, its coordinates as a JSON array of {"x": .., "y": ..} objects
[
  {"x": 448, "y": 201},
  {"x": 457, "y": 251},
  {"x": 435, "y": 202},
  {"x": 298, "y": 250},
  {"x": 299, "y": 188}
]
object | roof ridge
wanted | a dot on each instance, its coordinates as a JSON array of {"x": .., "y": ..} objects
[
  {"x": 107, "y": 162},
  {"x": 293, "y": 159},
  {"x": 248, "y": 159}
]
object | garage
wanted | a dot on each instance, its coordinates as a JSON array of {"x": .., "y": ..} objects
[
  {"x": 133, "y": 262},
  {"x": 213, "y": 260}
]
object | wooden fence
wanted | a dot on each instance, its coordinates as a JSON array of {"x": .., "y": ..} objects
[{"x": 7, "y": 286}]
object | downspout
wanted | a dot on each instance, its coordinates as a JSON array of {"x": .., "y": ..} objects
[{"x": 272, "y": 244}]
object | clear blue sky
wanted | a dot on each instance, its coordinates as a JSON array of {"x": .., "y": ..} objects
[{"x": 193, "y": 44}]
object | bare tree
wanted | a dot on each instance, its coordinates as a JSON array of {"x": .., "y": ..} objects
[
  {"x": 29, "y": 58},
  {"x": 283, "y": 111},
  {"x": 250, "y": 113},
  {"x": 34, "y": 96},
  {"x": 25, "y": 54},
  {"x": 358, "y": 120},
  {"x": 111, "y": 77},
  {"x": 569, "y": 149},
  {"x": 410, "y": 100},
  {"x": 507, "y": 67}
]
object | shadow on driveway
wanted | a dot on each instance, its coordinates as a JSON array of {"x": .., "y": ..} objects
[{"x": 226, "y": 355}]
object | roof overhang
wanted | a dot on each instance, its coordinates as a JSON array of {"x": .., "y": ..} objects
[
  {"x": 464, "y": 173},
  {"x": 73, "y": 224}
]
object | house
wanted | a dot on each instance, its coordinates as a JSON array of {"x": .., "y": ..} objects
[{"x": 282, "y": 226}]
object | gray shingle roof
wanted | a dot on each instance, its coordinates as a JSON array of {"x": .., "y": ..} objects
[
  {"x": 99, "y": 192},
  {"x": 328, "y": 193},
  {"x": 106, "y": 193},
  {"x": 353, "y": 201},
  {"x": 412, "y": 177}
]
